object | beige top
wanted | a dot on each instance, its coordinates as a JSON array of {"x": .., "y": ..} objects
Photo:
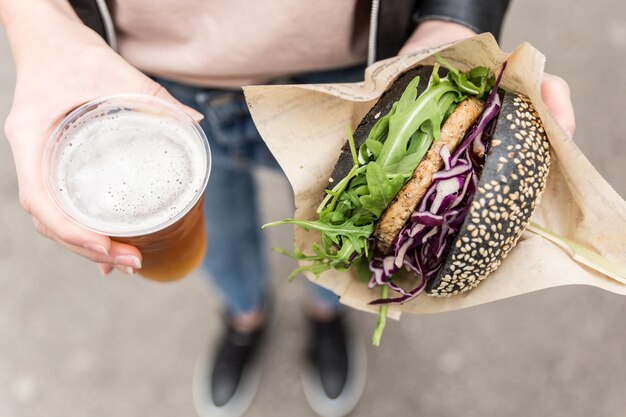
[{"x": 232, "y": 43}]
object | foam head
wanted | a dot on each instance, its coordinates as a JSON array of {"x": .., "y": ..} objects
[{"x": 128, "y": 165}]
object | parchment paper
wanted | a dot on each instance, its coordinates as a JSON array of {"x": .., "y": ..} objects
[{"x": 304, "y": 126}]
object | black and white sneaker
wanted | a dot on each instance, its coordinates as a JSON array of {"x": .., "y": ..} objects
[
  {"x": 226, "y": 380},
  {"x": 336, "y": 367}
]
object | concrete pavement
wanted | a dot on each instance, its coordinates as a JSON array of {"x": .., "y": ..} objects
[{"x": 75, "y": 344}]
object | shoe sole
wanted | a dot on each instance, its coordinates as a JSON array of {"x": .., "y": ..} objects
[{"x": 355, "y": 384}]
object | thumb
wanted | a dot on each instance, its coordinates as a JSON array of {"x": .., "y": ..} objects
[
  {"x": 556, "y": 94},
  {"x": 157, "y": 90}
]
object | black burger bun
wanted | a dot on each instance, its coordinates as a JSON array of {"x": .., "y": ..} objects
[{"x": 513, "y": 178}]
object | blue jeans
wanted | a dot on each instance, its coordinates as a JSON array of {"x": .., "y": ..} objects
[{"x": 235, "y": 257}]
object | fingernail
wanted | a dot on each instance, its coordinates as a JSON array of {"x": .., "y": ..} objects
[
  {"x": 96, "y": 248},
  {"x": 196, "y": 115},
  {"x": 125, "y": 269},
  {"x": 128, "y": 260}
]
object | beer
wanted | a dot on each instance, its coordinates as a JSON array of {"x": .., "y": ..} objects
[{"x": 134, "y": 168}]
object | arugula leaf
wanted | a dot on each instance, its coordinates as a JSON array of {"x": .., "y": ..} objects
[
  {"x": 355, "y": 158},
  {"x": 357, "y": 235},
  {"x": 362, "y": 269},
  {"x": 382, "y": 317},
  {"x": 475, "y": 82},
  {"x": 378, "y": 133},
  {"x": 330, "y": 201},
  {"x": 374, "y": 146},
  {"x": 361, "y": 190},
  {"x": 321, "y": 261},
  {"x": 354, "y": 198},
  {"x": 414, "y": 156},
  {"x": 318, "y": 265},
  {"x": 409, "y": 95},
  {"x": 434, "y": 76},
  {"x": 382, "y": 189},
  {"x": 403, "y": 124},
  {"x": 432, "y": 126}
]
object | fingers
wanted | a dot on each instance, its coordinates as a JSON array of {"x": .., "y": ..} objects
[
  {"x": 38, "y": 204},
  {"x": 123, "y": 257},
  {"x": 556, "y": 94},
  {"x": 119, "y": 258}
]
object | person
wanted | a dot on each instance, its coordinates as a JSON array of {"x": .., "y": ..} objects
[{"x": 197, "y": 54}]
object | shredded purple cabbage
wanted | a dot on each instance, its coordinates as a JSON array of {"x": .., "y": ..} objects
[{"x": 430, "y": 232}]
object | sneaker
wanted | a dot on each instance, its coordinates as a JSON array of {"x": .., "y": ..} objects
[
  {"x": 335, "y": 370},
  {"x": 225, "y": 384}
]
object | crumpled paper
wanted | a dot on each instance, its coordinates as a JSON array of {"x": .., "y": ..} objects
[{"x": 304, "y": 127}]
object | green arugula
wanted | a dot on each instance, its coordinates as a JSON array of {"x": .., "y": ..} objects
[
  {"x": 421, "y": 113},
  {"x": 382, "y": 189},
  {"x": 382, "y": 317}
]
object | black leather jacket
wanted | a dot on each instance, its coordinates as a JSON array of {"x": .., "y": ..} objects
[{"x": 394, "y": 20}]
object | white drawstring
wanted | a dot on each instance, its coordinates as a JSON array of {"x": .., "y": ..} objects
[
  {"x": 109, "y": 29},
  {"x": 371, "y": 47}
]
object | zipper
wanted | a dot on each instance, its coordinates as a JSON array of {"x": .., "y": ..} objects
[
  {"x": 109, "y": 29},
  {"x": 371, "y": 46}
]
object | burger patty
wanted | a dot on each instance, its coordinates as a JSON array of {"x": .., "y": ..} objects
[{"x": 398, "y": 212}]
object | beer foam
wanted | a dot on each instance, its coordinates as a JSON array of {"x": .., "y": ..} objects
[{"x": 124, "y": 173}]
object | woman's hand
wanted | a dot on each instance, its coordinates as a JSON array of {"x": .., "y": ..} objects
[{"x": 62, "y": 64}]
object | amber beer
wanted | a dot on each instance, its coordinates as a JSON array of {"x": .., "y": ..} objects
[{"x": 134, "y": 168}]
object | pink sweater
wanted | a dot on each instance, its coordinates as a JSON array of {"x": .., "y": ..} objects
[{"x": 229, "y": 43}]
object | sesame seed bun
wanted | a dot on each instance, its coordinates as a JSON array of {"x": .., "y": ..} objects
[{"x": 513, "y": 178}]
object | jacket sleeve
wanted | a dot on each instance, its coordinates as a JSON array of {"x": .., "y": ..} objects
[{"x": 478, "y": 15}]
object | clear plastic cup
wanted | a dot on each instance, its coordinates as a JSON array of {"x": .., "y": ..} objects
[{"x": 134, "y": 167}]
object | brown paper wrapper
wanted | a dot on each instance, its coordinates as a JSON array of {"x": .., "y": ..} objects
[{"x": 304, "y": 126}]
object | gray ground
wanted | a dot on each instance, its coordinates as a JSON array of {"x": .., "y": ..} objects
[{"x": 75, "y": 344}]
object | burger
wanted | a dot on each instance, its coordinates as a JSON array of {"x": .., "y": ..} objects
[{"x": 434, "y": 187}]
